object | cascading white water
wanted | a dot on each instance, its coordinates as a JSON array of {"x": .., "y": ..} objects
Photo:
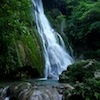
[{"x": 56, "y": 57}]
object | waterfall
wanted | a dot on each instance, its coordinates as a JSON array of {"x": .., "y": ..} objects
[{"x": 56, "y": 57}]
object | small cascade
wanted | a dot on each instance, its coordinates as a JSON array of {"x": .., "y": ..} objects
[
  {"x": 57, "y": 58},
  {"x": 3, "y": 93}
]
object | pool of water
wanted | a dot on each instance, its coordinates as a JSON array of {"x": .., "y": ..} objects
[
  {"x": 43, "y": 81},
  {"x": 39, "y": 81}
]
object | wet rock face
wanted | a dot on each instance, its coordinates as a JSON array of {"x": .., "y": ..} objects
[{"x": 26, "y": 91}]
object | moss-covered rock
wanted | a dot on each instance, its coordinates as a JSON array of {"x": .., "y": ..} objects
[
  {"x": 84, "y": 76},
  {"x": 80, "y": 71}
]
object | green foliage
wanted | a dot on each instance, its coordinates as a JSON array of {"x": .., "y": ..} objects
[
  {"x": 85, "y": 91},
  {"x": 83, "y": 27},
  {"x": 19, "y": 45}
]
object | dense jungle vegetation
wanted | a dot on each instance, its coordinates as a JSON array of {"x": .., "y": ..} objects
[
  {"x": 21, "y": 52},
  {"x": 20, "y": 47},
  {"x": 78, "y": 21}
]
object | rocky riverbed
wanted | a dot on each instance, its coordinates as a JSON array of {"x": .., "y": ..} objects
[{"x": 31, "y": 91}]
